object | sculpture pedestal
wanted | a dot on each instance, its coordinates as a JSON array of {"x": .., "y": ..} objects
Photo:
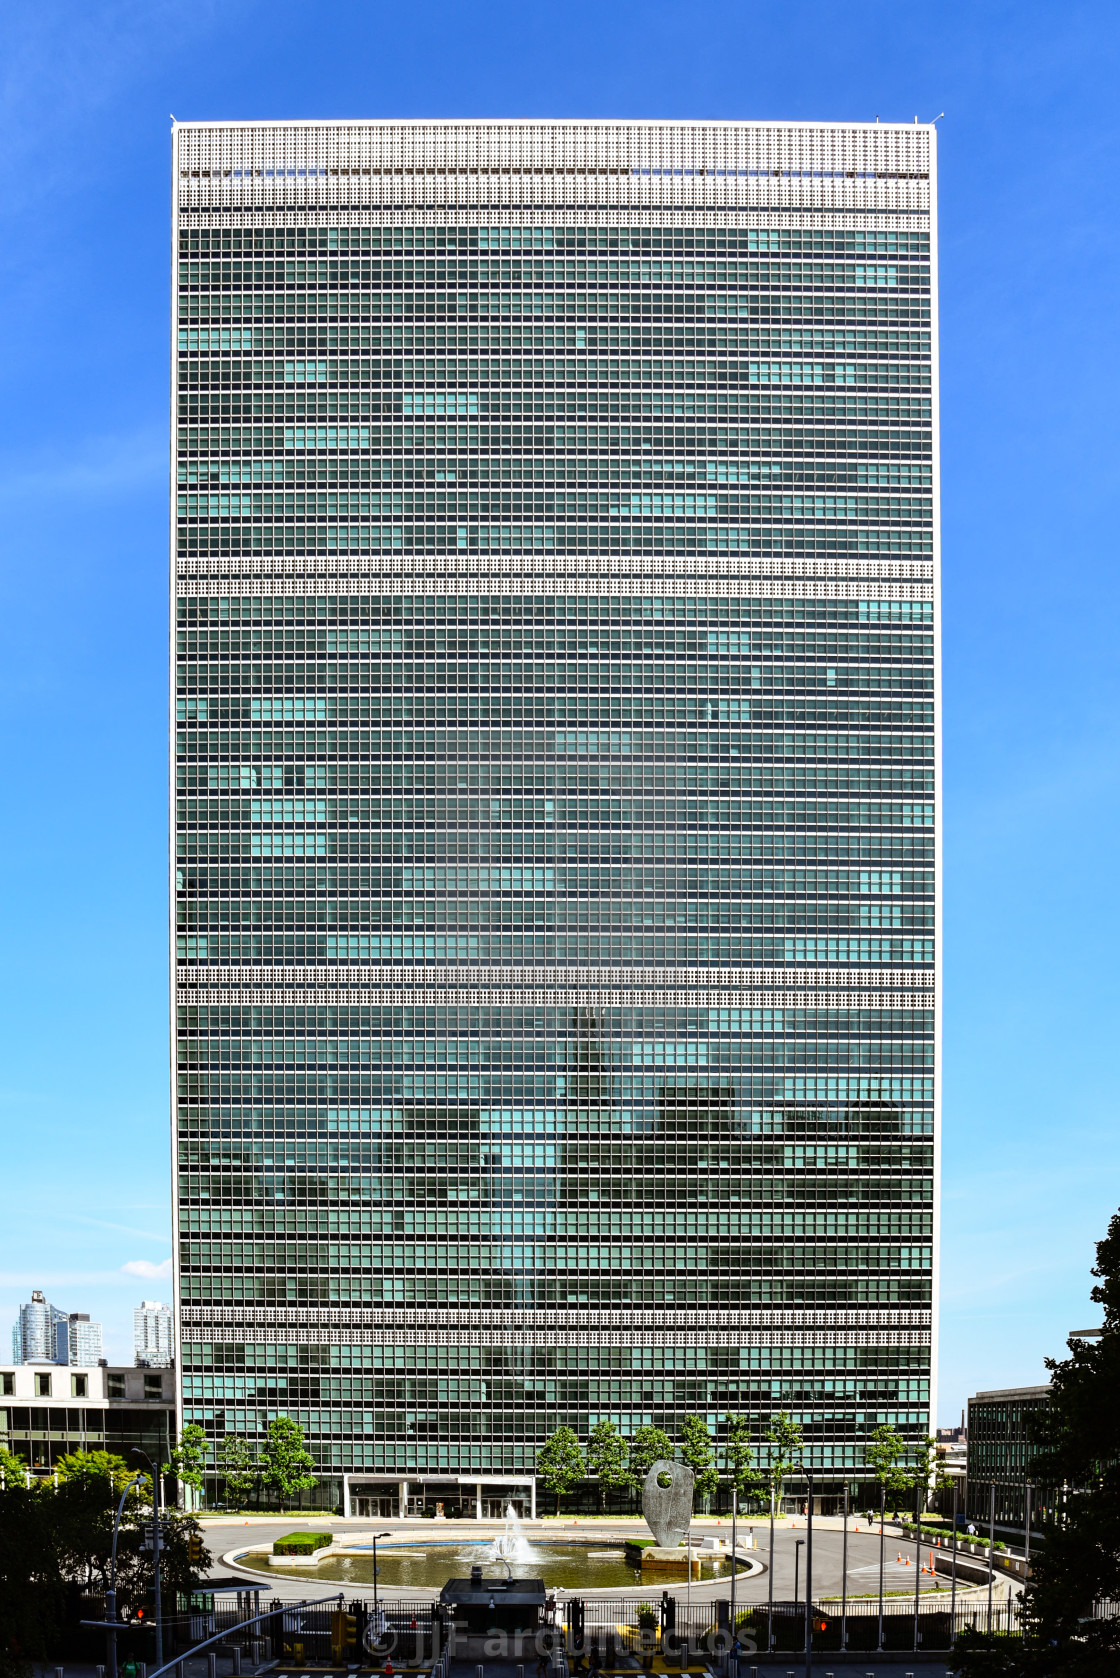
[{"x": 669, "y": 1563}]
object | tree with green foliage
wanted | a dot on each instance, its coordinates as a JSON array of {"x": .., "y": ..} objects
[
  {"x": 32, "y": 1588},
  {"x": 738, "y": 1459},
  {"x": 237, "y": 1462},
  {"x": 100, "y": 1465},
  {"x": 786, "y": 1442},
  {"x": 560, "y": 1464},
  {"x": 13, "y": 1469},
  {"x": 56, "y": 1542},
  {"x": 698, "y": 1454},
  {"x": 188, "y": 1457},
  {"x": 1075, "y": 1573},
  {"x": 928, "y": 1474},
  {"x": 607, "y": 1460},
  {"x": 884, "y": 1454},
  {"x": 647, "y": 1446},
  {"x": 287, "y": 1466}
]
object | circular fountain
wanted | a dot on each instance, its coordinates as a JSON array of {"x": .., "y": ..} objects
[{"x": 425, "y": 1564}]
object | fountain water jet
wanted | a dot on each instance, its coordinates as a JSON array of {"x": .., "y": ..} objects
[{"x": 511, "y": 1543}]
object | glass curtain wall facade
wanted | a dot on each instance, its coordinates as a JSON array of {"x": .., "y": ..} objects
[{"x": 554, "y": 546}]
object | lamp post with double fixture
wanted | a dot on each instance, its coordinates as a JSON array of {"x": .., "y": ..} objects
[
  {"x": 157, "y": 1540},
  {"x": 111, "y": 1593}
]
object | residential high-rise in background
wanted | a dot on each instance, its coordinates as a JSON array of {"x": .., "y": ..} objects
[
  {"x": 554, "y": 563},
  {"x": 44, "y": 1334},
  {"x": 153, "y": 1336},
  {"x": 78, "y": 1341},
  {"x": 34, "y": 1334}
]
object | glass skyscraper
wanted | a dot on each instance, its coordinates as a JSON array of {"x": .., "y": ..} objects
[{"x": 554, "y": 571}]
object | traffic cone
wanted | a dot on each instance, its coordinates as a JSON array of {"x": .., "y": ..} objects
[{"x": 898, "y": 1558}]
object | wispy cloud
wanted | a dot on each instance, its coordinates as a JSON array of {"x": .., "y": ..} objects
[
  {"x": 144, "y": 1267},
  {"x": 54, "y": 1281},
  {"x": 125, "y": 1229}
]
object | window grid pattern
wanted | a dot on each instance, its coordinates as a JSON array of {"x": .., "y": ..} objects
[{"x": 555, "y": 783}]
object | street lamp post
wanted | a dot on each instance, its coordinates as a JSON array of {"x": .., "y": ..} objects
[
  {"x": 111, "y": 1593},
  {"x": 373, "y": 1538},
  {"x": 734, "y": 1530},
  {"x": 844, "y": 1582},
  {"x": 809, "y": 1581},
  {"x": 953, "y": 1595},
  {"x": 157, "y": 1540},
  {"x": 882, "y": 1541},
  {"x": 798, "y": 1544},
  {"x": 770, "y": 1573},
  {"x": 991, "y": 1550},
  {"x": 918, "y": 1502}
]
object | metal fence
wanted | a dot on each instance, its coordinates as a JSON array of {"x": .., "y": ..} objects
[
  {"x": 415, "y": 1634},
  {"x": 329, "y": 1632},
  {"x": 682, "y": 1632}
]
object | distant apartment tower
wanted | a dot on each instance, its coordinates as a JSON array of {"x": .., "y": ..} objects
[
  {"x": 44, "y": 1334},
  {"x": 35, "y": 1335},
  {"x": 555, "y": 736},
  {"x": 152, "y": 1334},
  {"x": 78, "y": 1341}
]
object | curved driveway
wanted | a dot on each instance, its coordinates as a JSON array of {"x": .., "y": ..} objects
[{"x": 225, "y": 1534}]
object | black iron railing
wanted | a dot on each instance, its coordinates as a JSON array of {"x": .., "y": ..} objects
[{"x": 414, "y": 1633}]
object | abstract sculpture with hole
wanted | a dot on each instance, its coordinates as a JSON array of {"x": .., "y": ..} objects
[{"x": 667, "y": 1502}]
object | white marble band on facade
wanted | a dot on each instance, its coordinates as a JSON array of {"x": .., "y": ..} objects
[
  {"x": 637, "y": 1317},
  {"x": 581, "y": 978},
  {"x": 550, "y": 167},
  {"x": 558, "y": 997},
  {"x": 219, "y": 1334},
  {"x": 720, "y": 588}
]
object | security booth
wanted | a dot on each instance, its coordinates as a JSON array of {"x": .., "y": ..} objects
[{"x": 480, "y": 1606}]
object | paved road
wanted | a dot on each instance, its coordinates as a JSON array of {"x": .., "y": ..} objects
[
  {"x": 225, "y": 1534},
  {"x": 822, "y": 1666}
]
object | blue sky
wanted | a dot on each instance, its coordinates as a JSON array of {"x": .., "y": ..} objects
[{"x": 1030, "y": 241}]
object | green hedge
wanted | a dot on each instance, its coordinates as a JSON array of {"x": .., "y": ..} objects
[
  {"x": 946, "y": 1533},
  {"x": 301, "y": 1543}
]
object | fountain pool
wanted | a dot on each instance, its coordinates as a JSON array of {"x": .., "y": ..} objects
[
  {"x": 564, "y": 1565},
  {"x": 428, "y": 1564}
]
